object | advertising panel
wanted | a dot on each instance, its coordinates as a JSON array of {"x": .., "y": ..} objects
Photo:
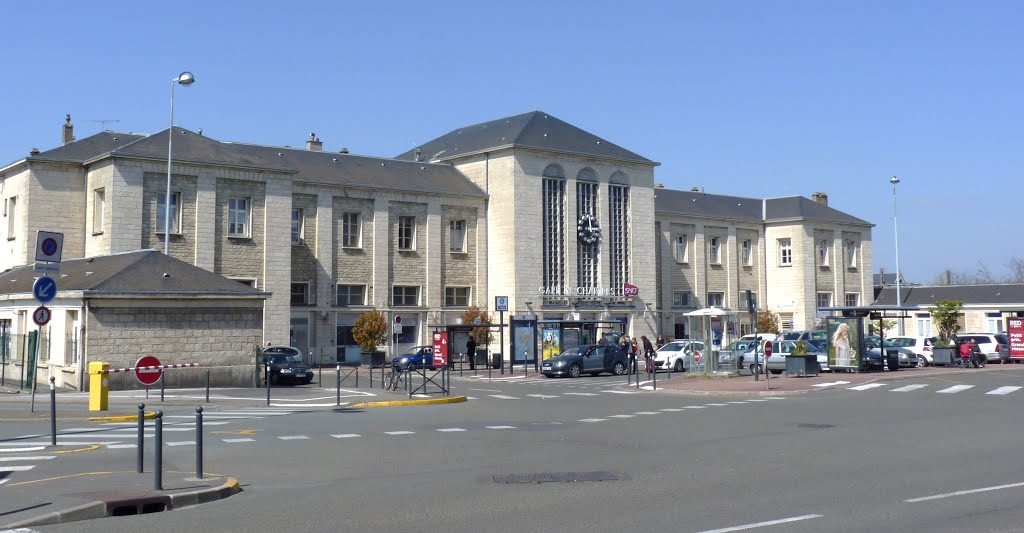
[
  {"x": 843, "y": 342},
  {"x": 524, "y": 347},
  {"x": 551, "y": 340},
  {"x": 1015, "y": 333},
  {"x": 440, "y": 348}
]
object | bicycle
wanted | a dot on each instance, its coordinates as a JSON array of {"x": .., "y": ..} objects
[{"x": 393, "y": 379}]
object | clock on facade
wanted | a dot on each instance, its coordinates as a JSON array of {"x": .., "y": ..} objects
[{"x": 588, "y": 230}]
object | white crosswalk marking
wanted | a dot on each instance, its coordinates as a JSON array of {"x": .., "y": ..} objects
[
  {"x": 955, "y": 389},
  {"x": 233, "y": 441},
  {"x": 622, "y": 416},
  {"x": 399, "y": 432},
  {"x": 735, "y": 403},
  {"x": 694, "y": 407},
  {"x": 671, "y": 409},
  {"x": 294, "y": 437},
  {"x": 909, "y": 388},
  {"x": 121, "y": 446},
  {"x": 541, "y": 396},
  {"x": 757, "y": 400},
  {"x": 500, "y": 427},
  {"x": 579, "y": 394},
  {"x": 716, "y": 404},
  {"x": 503, "y": 397},
  {"x": 347, "y": 436},
  {"x": 17, "y": 468},
  {"x": 451, "y": 430},
  {"x": 26, "y": 458},
  {"x": 181, "y": 443},
  {"x": 594, "y": 420},
  {"x": 618, "y": 392},
  {"x": 867, "y": 386},
  {"x": 831, "y": 384},
  {"x": 1003, "y": 390}
]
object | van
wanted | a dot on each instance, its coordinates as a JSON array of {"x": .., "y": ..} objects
[
  {"x": 806, "y": 335},
  {"x": 762, "y": 336}
]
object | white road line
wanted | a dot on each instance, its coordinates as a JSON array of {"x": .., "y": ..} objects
[
  {"x": 17, "y": 468},
  {"x": 758, "y": 400},
  {"x": 450, "y": 430},
  {"x": 485, "y": 390},
  {"x": 120, "y": 432},
  {"x": 775, "y": 397},
  {"x": 716, "y": 404},
  {"x": 734, "y": 403},
  {"x": 294, "y": 437},
  {"x": 618, "y": 392},
  {"x": 908, "y": 388},
  {"x": 1003, "y": 390},
  {"x": 233, "y": 441},
  {"x": 120, "y": 446},
  {"x": 347, "y": 436},
  {"x": 594, "y": 420},
  {"x": 27, "y": 449},
  {"x": 27, "y": 458},
  {"x": 541, "y": 396},
  {"x": 500, "y": 427},
  {"x": 866, "y": 386},
  {"x": 399, "y": 432},
  {"x": 832, "y": 384},
  {"x": 207, "y": 417},
  {"x": 955, "y": 389},
  {"x": 645, "y": 413},
  {"x": 621, "y": 416},
  {"x": 579, "y": 394},
  {"x": 472, "y": 398},
  {"x": 962, "y": 492},
  {"x": 503, "y": 397},
  {"x": 763, "y": 524},
  {"x": 63, "y": 442},
  {"x": 694, "y": 407},
  {"x": 181, "y": 443},
  {"x": 671, "y": 410}
]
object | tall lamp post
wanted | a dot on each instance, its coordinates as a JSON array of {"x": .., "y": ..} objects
[
  {"x": 899, "y": 301},
  {"x": 185, "y": 78}
]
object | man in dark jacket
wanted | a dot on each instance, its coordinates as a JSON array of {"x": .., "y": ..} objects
[
  {"x": 648, "y": 352},
  {"x": 471, "y": 352}
]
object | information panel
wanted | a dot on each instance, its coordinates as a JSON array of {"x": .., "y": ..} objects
[{"x": 1015, "y": 332}]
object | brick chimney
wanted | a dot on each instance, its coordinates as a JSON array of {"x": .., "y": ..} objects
[
  {"x": 68, "y": 135},
  {"x": 820, "y": 198},
  {"x": 314, "y": 144}
]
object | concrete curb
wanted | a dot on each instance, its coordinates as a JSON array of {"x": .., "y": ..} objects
[
  {"x": 125, "y": 418},
  {"x": 93, "y": 510},
  {"x": 399, "y": 403}
]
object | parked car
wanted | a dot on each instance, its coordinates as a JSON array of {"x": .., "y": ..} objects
[
  {"x": 990, "y": 344},
  {"x": 781, "y": 349},
  {"x": 735, "y": 354},
  {"x": 286, "y": 365},
  {"x": 907, "y": 357},
  {"x": 592, "y": 359},
  {"x": 922, "y": 346},
  {"x": 805, "y": 335},
  {"x": 416, "y": 357},
  {"x": 677, "y": 355}
]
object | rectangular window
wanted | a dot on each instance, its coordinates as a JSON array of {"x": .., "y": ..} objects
[
  {"x": 852, "y": 299},
  {"x": 680, "y": 299},
  {"x": 407, "y": 296},
  {"x": 618, "y": 235},
  {"x": 587, "y": 254},
  {"x": 300, "y": 293},
  {"x": 924, "y": 324},
  {"x": 161, "y": 208},
  {"x": 994, "y": 322},
  {"x": 786, "y": 321},
  {"x": 742, "y": 299},
  {"x": 298, "y": 226},
  {"x": 824, "y": 299},
  {"x": 746, "y": 253},
  {"x": 351, "y": 295},
  {"x": 714, "y": 251},
  {"x": 351, "y": 231},
  {"x": 851, "y": 254},
  {"x": 716, "y": 299},
  {"x": 785, "y": 252},
  {"x": 680, "y": 249},
  {"x": 823, "y": 252},
  {"x": 406, "y": 233},
  {"x": 239, "y": 217},
  {"x": 10, "y": 212},
  {"x": 99, "y": 208},
  {"x": 553, "y": 215},
  {"x": 457, "y": 236},
  {"x": 456, "y": 296}
]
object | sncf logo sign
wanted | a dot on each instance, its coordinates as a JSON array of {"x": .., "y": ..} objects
[{"x": 629, "y": 289}]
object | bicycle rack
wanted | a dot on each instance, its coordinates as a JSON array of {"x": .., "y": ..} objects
[
  {"x": 422, "y": 388},
  {"x": 346, "y": 375}
]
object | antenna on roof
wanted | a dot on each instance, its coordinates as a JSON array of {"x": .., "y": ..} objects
[
  {"x": 435, "y": 156},
  {"x": 103, "y": 122}
]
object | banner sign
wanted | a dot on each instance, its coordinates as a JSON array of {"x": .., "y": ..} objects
[
  {"x": 1015, "y": 332},
  {"x": 440, "y": 348}
]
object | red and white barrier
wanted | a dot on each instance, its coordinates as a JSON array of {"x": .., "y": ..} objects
[{"x": 156, "y": 367}]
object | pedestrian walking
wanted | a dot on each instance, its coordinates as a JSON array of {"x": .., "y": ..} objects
[
  {"x": 630, "y": 350},
  {"x": 648, "y": 353},
  {"x": 471, "y": 350},
  {"x": 660, "y": 342}
]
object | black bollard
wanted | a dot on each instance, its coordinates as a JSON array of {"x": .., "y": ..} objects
[
  {"x": 199, "y": 442},
  {"x": 162, "y": 376},
  {"x": 339, "y": 385},
  {"x": 207, "y": 386},
  {"x": 654, "y": 376},
  {"x": 140, "y": 446},
  {"x": 158, "y": 466},
  {"x": 53, "y": 411},
  {"x": 267, "y": 379}
]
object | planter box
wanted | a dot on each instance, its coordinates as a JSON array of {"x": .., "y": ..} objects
[
  {"x": 943, "y": 356},
  {"x": 801, "y": 365},
  {"x": 373, "y": 359}
]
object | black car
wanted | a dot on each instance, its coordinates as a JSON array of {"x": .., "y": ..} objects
[
  {"x": 286, "y": 366},
  {"x": 592, "y": 359}
]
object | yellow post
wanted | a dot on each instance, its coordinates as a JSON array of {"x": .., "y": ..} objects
[{"x": 99, "y": 386}]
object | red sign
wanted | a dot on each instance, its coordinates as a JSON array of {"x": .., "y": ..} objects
[
  {"x": 696, "y": 357},
  {"x": 767, "y": 348},
  {"x": 628, "y": 289},
  {"x": 440, "y": 348},
  {"x": 144, "y": 371},
  {"x": 1015, "y": 332},
  {"x": 41, "y": 316}
]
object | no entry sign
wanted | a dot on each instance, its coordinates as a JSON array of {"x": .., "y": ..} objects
[{"x": 147, "y": 370}]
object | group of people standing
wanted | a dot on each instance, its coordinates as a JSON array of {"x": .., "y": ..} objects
[{"x": 632, "y": 349}]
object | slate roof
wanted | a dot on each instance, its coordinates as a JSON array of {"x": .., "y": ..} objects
[
  {"x": 994, "y": 295},
  {"x": 139, "y": 273},
  {"x": 887, "y": 278},
  {"x": 536, "y": 129},
  {"x": 748, "y": 209},
  {"x": 89, "y": 147}
]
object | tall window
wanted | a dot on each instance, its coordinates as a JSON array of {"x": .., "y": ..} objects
[
  {"x": 680, "y": 299},
  {"x": 586, "y": 204},
  {"x": 716, "y": 299},
  {"x": 351, "y": 295},
  {"x": 456, "y": 296},
  {"x": 785, "y": 252},
  {"x": 405, "y": 296},
  {"x": 10, "y": 212},
  {"x": 161, "y": 209},
  {"x": 824, "y": 299},
  {"x": 923, "y": 321},
  {"x": 851, "y": 254},
  {"x": 680, "y": 249},
  {"x": 456, "y": 236},
  {"x": 298, "y": 226},
  {"x": 99, "y": 207},
  {"x": 746, "y": 253},
  {"x": 406, "y": 233},
  {"x": 553, "y": 226},
  {"x": 715, "y": 251},
  {"x": 618, "y": 231},
  {"x": 852, "y": 299},
  {"x": 350, "y": 230},
  {"x": 300, "y": 294},
  {"x": 994, "y": 322},
  {"x": 238, "y": 216},
  {"x": 823, "y": 252}
]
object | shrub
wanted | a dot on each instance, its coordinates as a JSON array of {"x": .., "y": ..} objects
[{"x": 370, "y": 331}]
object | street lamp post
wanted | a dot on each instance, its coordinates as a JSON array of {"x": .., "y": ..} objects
[
  {"x": 899, "y": 301},
  {"x": 186, "y": 79}
]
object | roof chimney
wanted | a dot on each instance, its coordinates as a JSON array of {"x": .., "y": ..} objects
[
  {"x": 419, "y": 155},
  {"x": 68, "y": 135},
  {"x": 659, "y": 185},
  {"x": 343, "y": 150},
  {"x": 820, "y": 198},
  {"x": 695, "y": 189},
  {"x": 314, "y": 144},
  {"x": 34, "y": 151}
]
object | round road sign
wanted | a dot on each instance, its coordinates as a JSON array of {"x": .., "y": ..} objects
[
  {"x": 767, "y": 348},
  {"x": 49, "y": 246},
  {"x": 41, "y": 316},
  {"x": 147, "y": 376},
  {"x": 398, "y": 319},
  {"x": 44, "y": 289},
  {"x": 696, "y": 357}
]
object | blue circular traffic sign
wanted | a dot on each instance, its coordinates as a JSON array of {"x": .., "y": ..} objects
[
  {"x": 49, "y": 246},
  {"x": 44, "y": 289}
]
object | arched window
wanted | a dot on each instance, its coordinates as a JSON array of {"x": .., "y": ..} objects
[
  {"x": 618, "y": 231},
  {"x": 553, "y": 216},
  {"x": 589, "y": 253}
]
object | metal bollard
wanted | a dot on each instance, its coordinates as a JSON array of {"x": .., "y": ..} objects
[
  {"x": 162, "y": 379},
  {"x": 371, "y": 376},
  {"x": 53, "y": 411},
  {"x": 654, "y": 376},
  {"x": 357, "y": 376},
  {"x": 320, "y": 375},
  {"x": 339, "y": 385},
  {"x": 158, "y": 466},
  {"x": 140, "y": 445},
  {"x": 207, "y": 386},
  {"x": 199, "y": 442},
  {"x": 266, "y": 377}
]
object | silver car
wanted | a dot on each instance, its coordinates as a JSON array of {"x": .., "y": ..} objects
[{"x": 680, "y": 355}]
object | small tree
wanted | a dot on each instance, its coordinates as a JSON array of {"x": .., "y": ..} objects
[
  {"x": 482, "y": 335},
  {"x": 767, "y": 322},
  {"x": 946, "y": 316},
  {"x": 370, "y": 331}
]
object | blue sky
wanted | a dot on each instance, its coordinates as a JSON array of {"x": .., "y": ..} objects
[{"x": 755, "y": 98}]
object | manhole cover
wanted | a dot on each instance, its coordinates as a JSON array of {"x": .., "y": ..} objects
[
  {"x": 815, "y": 426},
  {"x": 556, "y": 477}
]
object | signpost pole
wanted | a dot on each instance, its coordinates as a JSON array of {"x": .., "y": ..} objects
[
  {"x": 501, "y": 335},
  {"x": 767, "y": 374}
]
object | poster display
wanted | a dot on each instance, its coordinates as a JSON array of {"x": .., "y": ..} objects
[
  {"x": 1015, "y": 334},
  {"x": 524, "y": 342},
  {"x": 440, "y": 348},
  {"x": 844, "y": 342},
  {"x": 551, "y": 342}
]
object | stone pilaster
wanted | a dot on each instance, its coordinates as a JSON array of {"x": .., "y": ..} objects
[
  {"x": 277, "y": 273},
  {"x": 206, "y": 225}
]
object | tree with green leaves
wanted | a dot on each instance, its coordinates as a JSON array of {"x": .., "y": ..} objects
[
  {"x": 482, "y": 335},
  {"x": 768, "y": 322},
  {"x": 370, "y": 331},
  {"x": 946, "y": 317}
]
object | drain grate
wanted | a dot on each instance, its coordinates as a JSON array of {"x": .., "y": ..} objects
[{"x": 556, "y": 477}]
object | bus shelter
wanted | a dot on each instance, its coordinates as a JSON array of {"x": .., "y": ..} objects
[
  {"x": 847, "y": 349},
  {"x": 553, "y": 337},
  {"x": 717, "y": 326},
  {"x": 451, "y": 341}
]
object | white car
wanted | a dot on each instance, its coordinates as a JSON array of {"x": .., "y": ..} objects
[
  {"x": 678, "y": 355},
  {"x": 922, "y": 346}
]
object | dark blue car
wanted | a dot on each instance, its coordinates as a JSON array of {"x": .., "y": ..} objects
[{"x": 417, "y": 357}]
